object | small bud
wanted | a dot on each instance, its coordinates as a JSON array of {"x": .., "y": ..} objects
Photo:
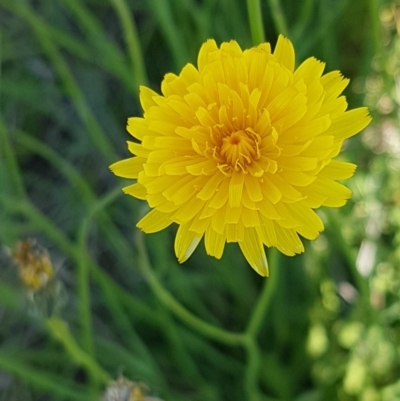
[
  {"x": 35, "y": 267},
  {"x": 126, "y": 390}
]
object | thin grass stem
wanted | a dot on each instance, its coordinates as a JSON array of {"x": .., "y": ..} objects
[
  {"x": 59, "y": 330},
  {"x": 279, "y": 17},
  {"x": 255, "y": 21},
  {"x": 257, "y": 318},
  {"x": 96, "y": 133},
  {"x": 253, "y": 367},
  {"x": 162, "y": 11},
  {"x": 44, "y": 380},
  {"x": 132, "y": 41},
  {"x": 373, "y": 9},
  {"x": 174, "y": 306},
  {"x": 258, "y": 315},
  {"x": 107, "y": 49},
  {"x": 135, "y": 343}
]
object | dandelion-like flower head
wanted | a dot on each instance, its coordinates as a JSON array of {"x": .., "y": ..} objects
[{"x": 242, "y": 149}]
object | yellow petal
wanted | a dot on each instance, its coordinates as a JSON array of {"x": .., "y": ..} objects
[
  {"x": 178, "y": 85},
  {"x": 136, "y": 190},
  {"x": 270, "y": 190},
  {"x": 221, "y": 196},
  {"x": 137, "y": 149},
  {"x": 147, "y": 97},
  {"x": 211, "y": 186},
  {"x": 268, "y": 210},
  {"x": 218, "y": 222},
  {"x": 336, "y": 194},
  {"x": 303, "y": 131},
  {"x": 257, "y": 59},
  {"x": 287, "y": 191},
  {"x": 138, "y": 127},
  {"x": 284, "y": 53},
  {"x": 187, "y": 211},
  {"x": 199, "y": 225},
  {"x": 253, "y": 250},
  {"x": 198, "y": 166},
  {"x": 311, "y": 224},
  {"x": 186, "y": 113},
  {"x": 186, "y": 191},
  {"x": 154, "y": 221},
  {"x": 232, "y": 214},
  {"x": 205, "y": 50},
  {"x": 128, "y": 168},
  {"x": 287, "y": 241},
  {"x": 334, "y": 84},
  {"x": 338, "y": 170},
  {"x": 156, "y": 184},
  {"x": 253, "y": 188},
  {"x": 334, "y": 107},
  {"x": 298, "y": 163},
  {"x": 232, "y": 48},
  {"x": 236, "y": 188},
  {"x": 350, "y": 123},
  {"x": 186, "y": 242},
  {"x": 309, "y": 70},
  {"x": 297, "y": 178},
  {"x": 214, "y": 243},
  {"x": 266, "y": 232},
  {"x": 320, "y": 147},
  {"x": 250, "y": 218},
  {"x": 234, "y": 232}
]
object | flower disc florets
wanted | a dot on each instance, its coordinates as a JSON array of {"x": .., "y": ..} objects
[{"x": 242, "y": 149}]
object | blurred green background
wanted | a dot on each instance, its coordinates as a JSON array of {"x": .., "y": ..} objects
[{"x": 330, "y": 330}]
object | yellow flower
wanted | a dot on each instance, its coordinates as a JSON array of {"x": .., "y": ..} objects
[{"x": 242, "y": 149}]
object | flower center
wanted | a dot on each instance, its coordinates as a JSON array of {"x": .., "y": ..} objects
[{"x": 240, "y": 148}]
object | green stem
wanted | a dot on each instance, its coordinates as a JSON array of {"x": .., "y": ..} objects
[
  {"x": 83, "y": 263},
  {"x": 270, "y": 284},
  {"x": 175, "y": 307},
  {"x": 278, "y": 17},
  {"x": 56, "y": 385},
  {"x": 253, "y": 368},
  {"x": 59, "y": 330},
  {"x": 137, "y": 346},
  {"x": 138, "y": 309},
  {"x": 132, "y": 41},
  {"x": 134, "y": 343},
  {"x": 255, "y": 21},
  {"x": 373, "y": 6},
  {"x": 256, "y": 320},
  {"x": 183, "y": 358}
]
